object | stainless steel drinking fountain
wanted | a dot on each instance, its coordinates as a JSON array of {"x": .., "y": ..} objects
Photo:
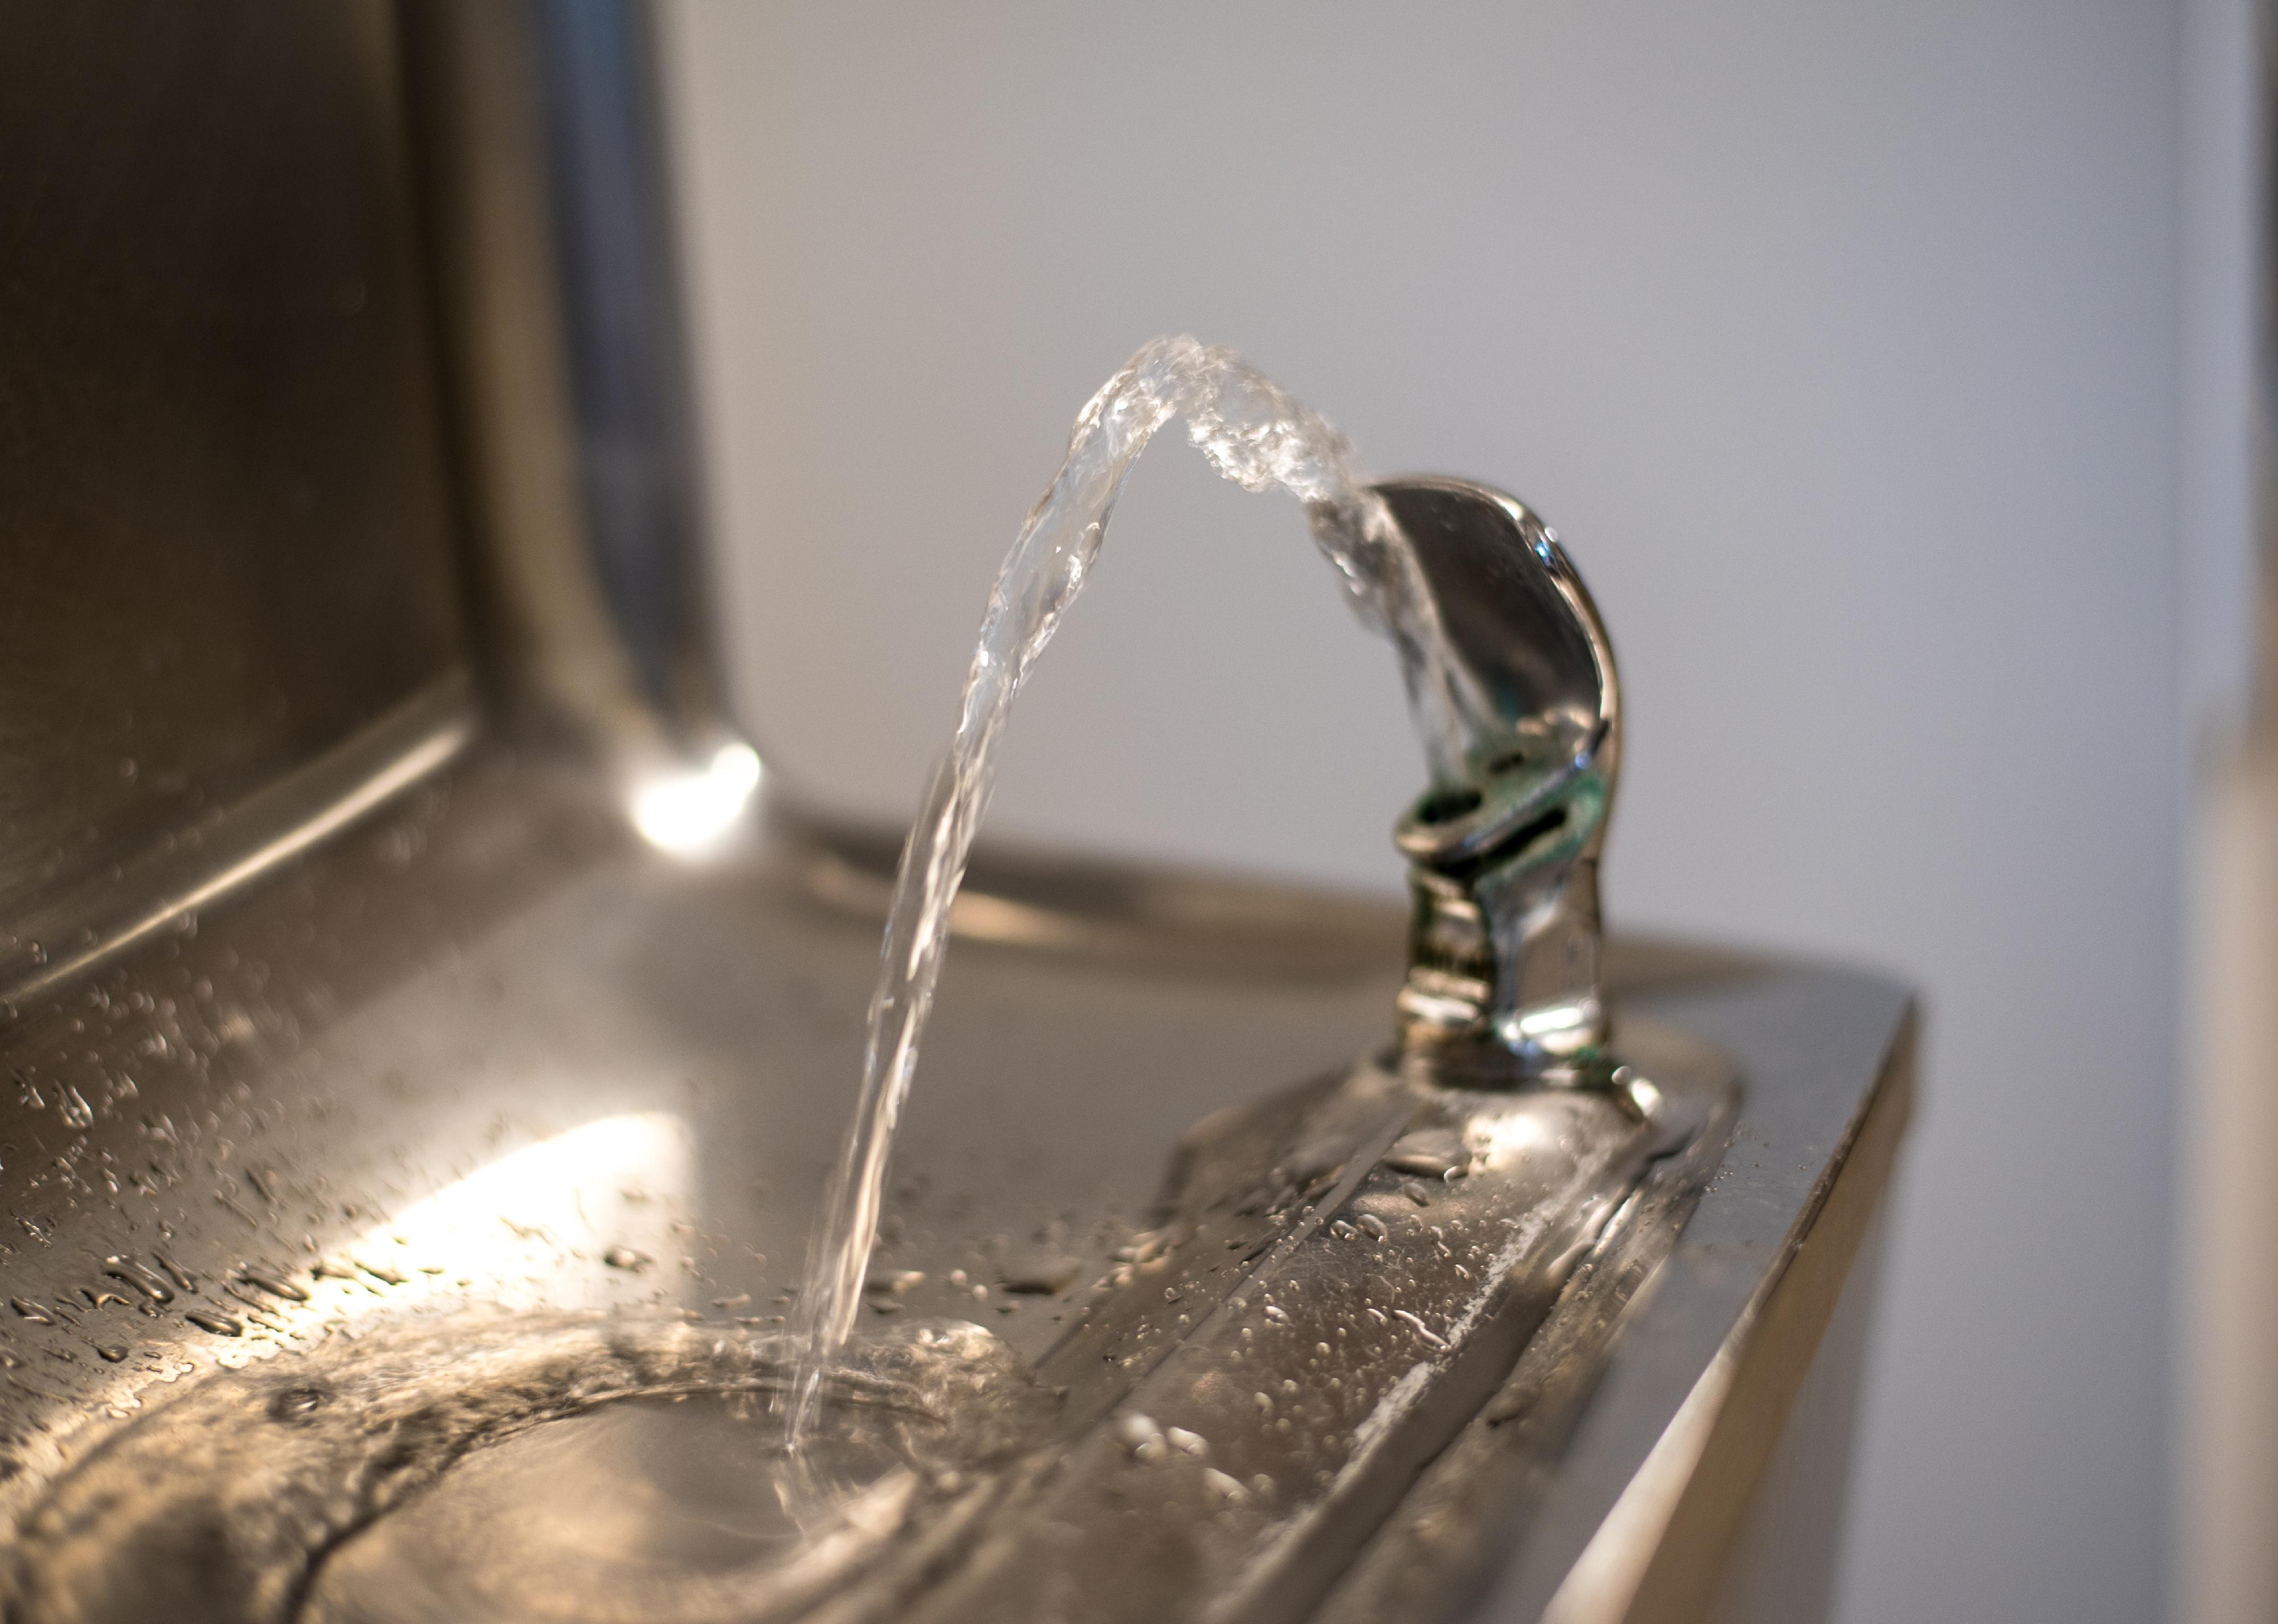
[{"x": 408, "y": 975}]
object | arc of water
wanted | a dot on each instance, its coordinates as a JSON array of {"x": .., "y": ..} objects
[{"x": 1255, "y": 434}]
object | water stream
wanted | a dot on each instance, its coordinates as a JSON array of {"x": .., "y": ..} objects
[{"x": 1255, "y": 434}]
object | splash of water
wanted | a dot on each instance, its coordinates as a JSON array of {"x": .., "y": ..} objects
[{"x": 1254, "y": 434}]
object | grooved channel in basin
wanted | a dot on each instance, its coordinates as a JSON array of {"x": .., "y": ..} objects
[{"x": 533, "y": 1469}]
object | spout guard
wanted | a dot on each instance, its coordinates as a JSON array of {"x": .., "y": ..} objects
[{"x": 1503, "y": 944}]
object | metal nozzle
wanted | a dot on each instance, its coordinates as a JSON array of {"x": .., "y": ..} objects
[{"x": 1503, "y": 944}]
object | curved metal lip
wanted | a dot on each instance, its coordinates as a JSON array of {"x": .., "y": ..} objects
[{"x": 1427, "y": 831}]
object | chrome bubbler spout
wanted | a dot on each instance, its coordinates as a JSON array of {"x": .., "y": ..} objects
[{"x": 1503, "y": 944}]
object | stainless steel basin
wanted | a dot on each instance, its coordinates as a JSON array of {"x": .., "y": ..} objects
[{"x": 358, "y": 1002}]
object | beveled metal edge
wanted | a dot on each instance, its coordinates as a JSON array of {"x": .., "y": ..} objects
[
  {"x": 1660, "y": 1549},
  {"x": 95, "y": 921},
  {"x": 1604, "y": 1482},
  {"x": 1452, "y": 1534}
]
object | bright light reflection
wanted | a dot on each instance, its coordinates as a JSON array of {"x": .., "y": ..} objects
[
  {"x": 587, "y": 1219},
  {"x": 534, "y": 1229},
  {"x": 1556, "y": 1020},
  {"x": 1514, "y": 1133},
  {"x": 684, "y": 812}
]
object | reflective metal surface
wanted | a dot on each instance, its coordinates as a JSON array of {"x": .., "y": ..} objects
[
  {"x": 1281, "y": 1412},
  {"x": 419, "y": 1078},
  {"x": 1502, "y": 974},
  {"x": 548, "y": 235},
  {"x": 487, "y": 1010},
  {"x": 228, "y": 545}
]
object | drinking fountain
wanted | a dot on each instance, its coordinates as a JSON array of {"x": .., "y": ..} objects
[{"x": 427, "y": 1020}]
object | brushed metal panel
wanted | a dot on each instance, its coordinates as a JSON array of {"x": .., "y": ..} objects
[{"x": 223, "y": 509}]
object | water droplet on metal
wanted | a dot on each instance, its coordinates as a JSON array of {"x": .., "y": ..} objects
[
  {"x": 273, "y": 1286},
  {"x": 1040, "y": 1274},
  {"x": 291, "y": 1403},
  {"x": 1219, "y": 1486},
  {"x": 219, "y": 1324},
  {"x": 1429, "y": 1152},
  {"x": 1421, "y": 1330},
  {"x": 616, "y": 1257},
  {"x": 1637, "y": 1095},
  {"x": 129, "y": 1273},
  {"x": 1142, "y": 1437}
]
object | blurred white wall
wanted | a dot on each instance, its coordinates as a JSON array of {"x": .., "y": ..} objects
[
  {"x": 2227, "y": 1206},
  {"x": 1840, "y": 341}
]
